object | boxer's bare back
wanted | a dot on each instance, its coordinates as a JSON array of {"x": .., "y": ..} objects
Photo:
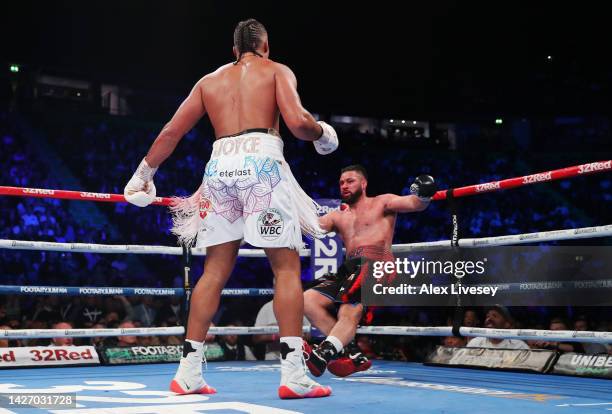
[
  {"x": 249, "y": 94},
  {"x": 242, "y": 96}
]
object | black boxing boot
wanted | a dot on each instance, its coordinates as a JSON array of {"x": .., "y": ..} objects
[{"x": 319, "y": 357}]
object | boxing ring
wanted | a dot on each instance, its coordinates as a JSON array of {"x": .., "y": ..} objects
[{"x": 389, "y": 386}]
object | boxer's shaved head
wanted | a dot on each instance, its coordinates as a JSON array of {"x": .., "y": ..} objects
[{"x": 249, "y": 36}]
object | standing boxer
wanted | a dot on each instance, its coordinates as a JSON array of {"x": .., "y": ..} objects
[{"x": 248, "y": 192}]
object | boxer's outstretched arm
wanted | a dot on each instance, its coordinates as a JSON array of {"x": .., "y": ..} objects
[
  {"x": 299, "y": 121},
  {"x": 404, "y": 204},
  {"x": 326, "y": 222},
  {"x": 187, "y": 115}
]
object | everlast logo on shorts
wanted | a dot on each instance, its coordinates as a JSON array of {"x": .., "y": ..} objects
[
  {"x": 270, "y": 224},
  {"x": 235, "y": 146},
  {"x": 235, "y": 173}
]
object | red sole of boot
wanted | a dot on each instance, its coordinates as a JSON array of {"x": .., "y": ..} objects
[
  {"x": 342, "y": 370},
  {"x": 176, "y": 388},
  {"x": 365, "y": 366},
  {"x": 286, "y": 393}
]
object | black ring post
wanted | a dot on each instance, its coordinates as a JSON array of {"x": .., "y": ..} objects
[
  {"x": 186, "y": 284},
  {"x": 452, "y": 204}
]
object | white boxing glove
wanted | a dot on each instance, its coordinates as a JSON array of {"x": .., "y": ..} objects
[
  {"x": 328, "y": 142},
  {"x": 140, "y": 190}
]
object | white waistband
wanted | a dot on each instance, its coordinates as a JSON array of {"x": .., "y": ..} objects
[{"x": 253, "y": 143}]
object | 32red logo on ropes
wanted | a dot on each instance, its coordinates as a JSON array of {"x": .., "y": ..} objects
[
  {"x": 594, "y": 166},
  {"x": 38, "y": 191},
  {"x": 95, "y": 195},
  {"x": 495, "y": 185},
  {"x": 270, "y": 224},
  {"x": 536, "y": 178}
]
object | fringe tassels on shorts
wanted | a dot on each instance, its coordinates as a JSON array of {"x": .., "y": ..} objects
[
  {"x": 307, "y": 208},
  {"x": 186, "y": 218}
]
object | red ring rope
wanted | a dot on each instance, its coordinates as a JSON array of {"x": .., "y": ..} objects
[{"x": 568, "y": 172}]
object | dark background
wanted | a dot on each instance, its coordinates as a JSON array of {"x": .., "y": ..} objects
[{"x": 441, "y": 60}]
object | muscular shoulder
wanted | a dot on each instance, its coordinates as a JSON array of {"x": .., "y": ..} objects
[
  {"x": 267, "y": 64},
  {"x": 283, "y": 70},
  {"x": 384, "y": 202},
  {"x": 383, "y": 199},
  {"x": 280, "y": 67},
  {"x": 219, "y": 71}
]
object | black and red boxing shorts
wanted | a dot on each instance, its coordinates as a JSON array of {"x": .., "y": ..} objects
[{"x": 345, "y": 285}]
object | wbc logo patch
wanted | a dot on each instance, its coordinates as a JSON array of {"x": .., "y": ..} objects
[{"x": 270, "y": 224}]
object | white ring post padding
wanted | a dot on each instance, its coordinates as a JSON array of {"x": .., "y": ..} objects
[
  {"x": 523, "y": 334},
  {"x": 568, "y": 234}
]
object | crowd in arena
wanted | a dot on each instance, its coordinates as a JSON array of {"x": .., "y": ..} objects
[{"x": 100, "y": 153}]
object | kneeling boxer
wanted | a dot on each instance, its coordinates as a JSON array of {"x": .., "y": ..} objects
[{"x": 366, "y": 228}]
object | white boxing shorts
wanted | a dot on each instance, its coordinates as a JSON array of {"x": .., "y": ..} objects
[{"x": 248, "y": 192}]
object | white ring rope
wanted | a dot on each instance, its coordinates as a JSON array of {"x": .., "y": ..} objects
[
  {"x": 525, "y": 238},
  {"x": 523, "y": 334},
  {"x": 554, "y": 235},
  {"x": 162, "y": 331},
  {"x": 119, "y": 248},
  {"x": 86, "y": 333}
]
